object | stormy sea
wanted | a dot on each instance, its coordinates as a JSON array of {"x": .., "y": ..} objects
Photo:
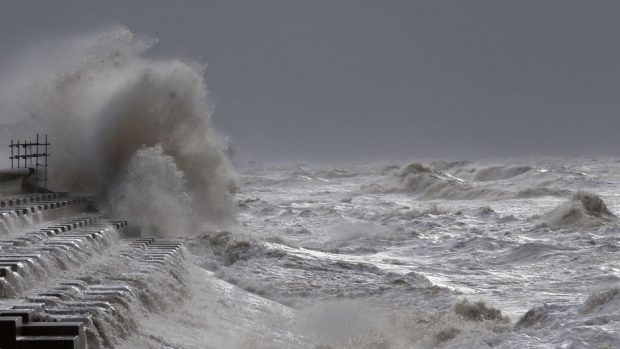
[
  {"x": 431, "y": 254},
  {"x": 418, "y": 253}
]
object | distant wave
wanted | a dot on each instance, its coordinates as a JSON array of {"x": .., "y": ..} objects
[
  {"x": 430, "y": 182},
  {"x": 467, "y": 170},
  {"x": 542, "y": 191},
  {"x": 494, "y": 173}
]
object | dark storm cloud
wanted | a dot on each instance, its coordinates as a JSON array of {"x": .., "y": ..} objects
[{"x": 338, "y": 79}]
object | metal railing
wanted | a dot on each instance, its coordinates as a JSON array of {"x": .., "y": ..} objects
[{"x": 33, "y": 155}]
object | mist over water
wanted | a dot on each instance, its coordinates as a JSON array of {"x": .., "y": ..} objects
[{"x": 121, "y": 124}]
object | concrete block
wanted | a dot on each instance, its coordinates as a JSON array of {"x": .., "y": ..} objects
[
  {"x": 26, "y": 315},
  {"x": 35, "y": 308},
  {"x": 147, "y": 257},
  {"x": 9, "y": 330},
  {"x": 108, "y": 287},
  {"x": 49, "y": 342},
  {"x": 111, "y": 293},
  {"x": 6, "y": 244},
  {"x": 28, "y": 305},
  {"x": 90, "y": 304},
  {"x": 38, "y": 235},
  {"x": 58, "y": 294},
  {"x": 82, "y": 285},
  {"x": 138, "y": 244},
  {"x": 53, "y": 248},
  {"x": 64, "y": 227},
  {"x": 35, "y": 256},
  {"x": 14, "y": 266},
  {"x": 162, "y": 253},
  {"x": 60, "y": 243},
  {"x": 73, "y": 290},
  {"x": 54, "y": 231},
  {"x": 47, "y": 300},
  {"x": 76, "y": 311},
  {"x": 27, "y": 260},
  {"x": 166, "y": 244},
  {"x": 82, "y": 318},
  {"x": 53, "y": 329},
  {"x": 20, "y": 260}
]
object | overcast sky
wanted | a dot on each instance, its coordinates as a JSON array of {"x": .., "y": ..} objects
[{"x": 340, "y": 79}]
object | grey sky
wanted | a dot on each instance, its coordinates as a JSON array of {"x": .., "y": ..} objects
[{"x": 353, "y": 79}]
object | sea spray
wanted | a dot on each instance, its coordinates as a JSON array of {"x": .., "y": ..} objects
[
  {"x": 103, "y": 102},
  {"x": 153, "y": 184}
]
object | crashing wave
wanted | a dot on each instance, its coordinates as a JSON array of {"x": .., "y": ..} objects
[
  {"x": 116, "y": 117},
  {"x": 583, "y": 209},
  {"x": 479, "y": 311},
  {"x": 223, "y": 248},
  {"x": 536, "y": 317}
]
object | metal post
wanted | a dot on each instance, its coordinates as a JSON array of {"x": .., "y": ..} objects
[
  {"x": 46, "y": 155},
  {"x": 19, "y": 151},
  {"x": 28, "y": 152},
  {"x": 25, "y": 153},
  {"x": 36, "y": 167}
]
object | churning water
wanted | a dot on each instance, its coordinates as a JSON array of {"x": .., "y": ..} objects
[
  {"x": 432, "y": 255},
  {"x": 519, "y": 254},
  {"x": 400, "y": 256}
]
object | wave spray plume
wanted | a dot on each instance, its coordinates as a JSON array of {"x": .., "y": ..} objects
[{"x": 135, "y": 130}]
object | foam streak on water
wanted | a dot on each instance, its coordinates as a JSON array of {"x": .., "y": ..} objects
[
  {"x": 380, "y": 256},
  {"x": 435, "y": 255}
]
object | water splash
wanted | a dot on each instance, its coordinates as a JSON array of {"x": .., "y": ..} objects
[{"x": 102, "y": 101}]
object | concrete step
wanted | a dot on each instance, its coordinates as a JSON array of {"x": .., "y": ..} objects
[
  {"x": 28, "y": 198},
  {"x": 48, "y": 342},
  {"x": 9, "y": 330},
  {"x": 75, "y": 312}
]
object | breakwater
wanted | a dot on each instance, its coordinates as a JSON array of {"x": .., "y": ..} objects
[{"x": 70, "y": 277}]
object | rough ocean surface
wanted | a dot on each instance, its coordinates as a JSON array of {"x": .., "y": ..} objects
[
  {"x": 429, "y": 254},
  {"x": 422, "y": 255}
]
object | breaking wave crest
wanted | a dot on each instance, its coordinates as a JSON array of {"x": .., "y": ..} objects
[
  {"x": 462, "y": 182},
  {"x": 430, "y": 183},
  {"x": 583, "y": 209},
  {"x": 121, "y": 123}
]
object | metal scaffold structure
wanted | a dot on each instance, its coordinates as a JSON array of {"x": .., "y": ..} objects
[{"x": 32, "y": 155}]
